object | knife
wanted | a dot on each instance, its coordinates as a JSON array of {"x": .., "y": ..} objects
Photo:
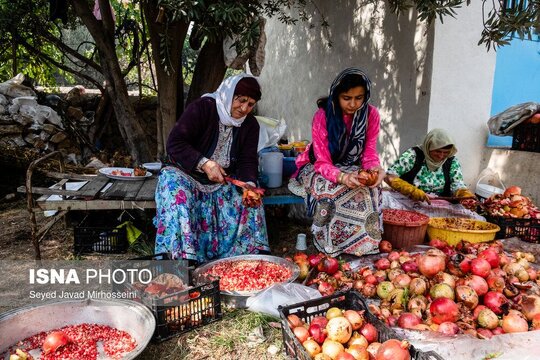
[{"x": 244, "y": 185}]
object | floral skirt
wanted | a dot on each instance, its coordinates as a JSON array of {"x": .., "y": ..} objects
[
  {"x": 205, "y": 222},
  {"x": 344, "y": 220}
]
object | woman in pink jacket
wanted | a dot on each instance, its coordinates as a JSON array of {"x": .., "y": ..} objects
[{"x": 346, "y": 214}]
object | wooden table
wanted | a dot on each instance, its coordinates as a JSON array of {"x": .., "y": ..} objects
[
  {"x": 99, "y": 193},
  {"x": 102, "y": 193}
]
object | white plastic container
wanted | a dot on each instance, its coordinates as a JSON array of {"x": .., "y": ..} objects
[
  {"x": 272, "y": 168},
  {"x": 485, "y": 190}
]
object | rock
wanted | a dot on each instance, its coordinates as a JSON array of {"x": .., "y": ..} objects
[
  {"x": 36, "y": 127},
  {"x": 16, "y": 140},
  {"x": 22, "y": 119},
  {"x": 58, "y": 138},
  {"x": 44, "y": 136},
  {"x": 3, "y": 109},
  {"x": 50, "y": 128},
  {"x": 39, "y": 144},
  {"x": 74, "y": 113},
  {"x": 95, "y": 164},
  {"x": 31, "y": 138},
  {"x": 9, "y": 198},
  {"x": 6, "y": 120},
  {"x": 46, "y": 114},
  {"x": 30, "y": 111},
  {"x": 10, "y": 129},
  {"x": 3, "y": 100},
  {"x": 65, "y": 144}
]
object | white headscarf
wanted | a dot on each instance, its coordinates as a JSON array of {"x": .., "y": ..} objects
[
  {"x": 437, "y": 139},
  {"x": 224, "y": 97}
]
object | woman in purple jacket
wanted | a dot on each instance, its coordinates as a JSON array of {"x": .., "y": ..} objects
[{"x": 200, "y": 216}]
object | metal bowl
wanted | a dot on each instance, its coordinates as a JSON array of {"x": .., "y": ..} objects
[
  {"x": 238, "y": 299},
  {"x": 130, "y": 316}
]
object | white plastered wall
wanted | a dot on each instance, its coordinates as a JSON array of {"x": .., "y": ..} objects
[{"x": 461, "y": 86}]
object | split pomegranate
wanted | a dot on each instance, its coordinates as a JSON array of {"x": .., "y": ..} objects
[
  {"x": 368, "y": 177},
  {"x": 530, "y": 306},
  {"x": 495, "y": 301},
  {"x": 54, "y": 341}
]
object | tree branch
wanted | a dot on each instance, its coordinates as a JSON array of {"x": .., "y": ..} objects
[
  {"x": 60, "y": 45},
  {"x": 47, "y": 58}
]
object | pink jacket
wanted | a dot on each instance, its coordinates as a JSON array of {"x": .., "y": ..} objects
[{"x": 319, "y": 133}]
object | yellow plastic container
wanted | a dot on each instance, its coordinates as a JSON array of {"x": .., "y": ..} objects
[{"x": 453, "y": 230}]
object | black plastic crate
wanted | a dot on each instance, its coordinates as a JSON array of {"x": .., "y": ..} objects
[
  {"x": 181, "y": 311},
  {"x": 526, "y": 137},
  {"x": 200, "y": 305},
  {"x": 349, "y": 300},
  {"x": 526, "y": 229},
  {"x": 97, "y": 234}
]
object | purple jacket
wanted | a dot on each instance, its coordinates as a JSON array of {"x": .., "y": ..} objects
[{"x": 196, "y": 133}]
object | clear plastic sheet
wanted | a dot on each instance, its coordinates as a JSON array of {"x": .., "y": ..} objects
[{"x": 268, "y": 300}]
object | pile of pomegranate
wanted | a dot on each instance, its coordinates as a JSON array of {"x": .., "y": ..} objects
[
  {"x": 345, "y": 335},
  {"x": 511, "y": 204},
  {"x": 77, "y": 342},
  {"x": 472, "y": 288}
]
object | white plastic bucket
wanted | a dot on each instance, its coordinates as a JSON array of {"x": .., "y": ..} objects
[
  {"x": 484, "y": 191},
  {"x": 272, "y": 168}
]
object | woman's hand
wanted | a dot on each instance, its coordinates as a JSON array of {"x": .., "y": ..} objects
[
  {"x": 214, "y": 171},
  {"x": 350, "y": 180},
  {"x": 380, "y": 178}
]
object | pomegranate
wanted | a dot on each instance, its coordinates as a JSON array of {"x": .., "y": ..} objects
[
  {"x": 371, "y": 279},
  {"x": 382, "y": 264},
  {"x": 410, "y": 266},
  {"x": 418, "y": 286},
  {"x": 328, "y": 265},
  {"x": 477, "y": 310},
  {"x": 445, "y": 278},
  {"x": 319, "y": 320},
  {"x": 393, "y": 350},
  {"x": 393, "y": 256},
  {"x": 495, "y": 301},
  {"x": 368, "y": 177},
  {"x": 385, "y": 246},
  {"x": 317, "y": 333},
  {"x": 483, "y": 333},
  {"x": 487, "y": 319},
  {"x": 431, "y": 263},
  {"x": 357, "y": 339},
  {"x": 294, "y": 321},
  {"x": 512, "y": 323},
  {"x": 344, "y": 355},
  {"x": 402, "y": 281},
  {"x": 478, "y": 283},
  {"x": 314, "y": 259},
  {"x": 443, "y": 310},
  {"x": 497, "y": 331},
  {"x": 332, "y": 348},
  {"x": 491, "y": 256},
  {"x": 339, "y": 329},
  {"x": 354, "y": 318},
  {"x": 408, "y": 320},
  {"x": 369, "y": 332},
  {"x": 480, "y": 267},
  {"x": 530, "y": 306},
  {"x": 512, "y": 190},
  {"x": 358, "y": 352},
  {"x": 536, "y": 322},
  {"x": 465, "y": 265},
  {"x": 373, "y": 348},
  {"x": 301, "y": 333},
  {"x": 441, "y": 290},
  {"x": 448, "y": 328},
  {"x": 437, "y": 243},
  {"x": 333, "y": 312},
  {"x": 325, "y": 288},
  {"x": 495, "y": 283},
  {"x": 467, "y": 296},
  {"x": 384, "y": 289},
  {"x": 312, "y": 347},
  {"x": 369, "y": 290},
  {"x": 54, "y": 341}
]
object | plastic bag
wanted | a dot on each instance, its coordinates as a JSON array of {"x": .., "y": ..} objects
[
  {"x": 271, "y": 130},
  {"x": 504, "y": 123},
  {"x": 14, "y": 89},
  {"x": 267, "y": 301}
]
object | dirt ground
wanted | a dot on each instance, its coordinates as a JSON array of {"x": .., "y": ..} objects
[{"x": 239, "y": 335}]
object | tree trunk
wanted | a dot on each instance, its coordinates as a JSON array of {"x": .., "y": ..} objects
[
  {"x": 209, "y": 70},
  {"x": 170, "y": 85},
  {"x": 102, "y": 32}
]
